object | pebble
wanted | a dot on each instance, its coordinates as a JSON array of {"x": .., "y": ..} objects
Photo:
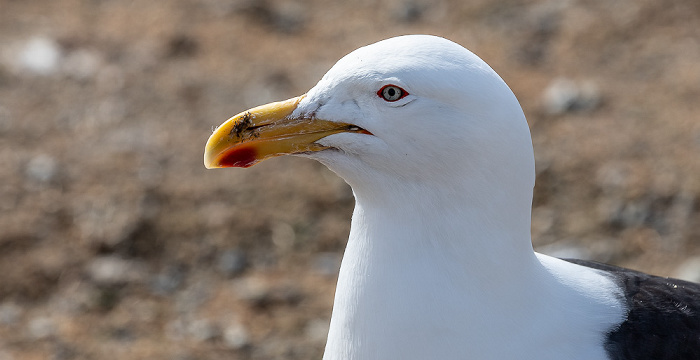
[
  {"x": 250, "y": 289},
  {"x": 176, "y": 329},
  {"x": 39, "y": 55},
  {"x": 634, "y": 213},
  {"x": 317, "y": 330},
  {"x": 327, "y": 264},
  {"x": 287, "y": 17},
  {"x": 409, "y": 11},
  {"x": 9, "y": 313},
  {"x": 283, "y": 236},
  {"x": 110, "y": 79},
  {"x": 232, "y": 262},
  {"x": 203, "y": 330},
  {"x": 110, "y": 218},
  {"x": 168, "y": 281},
  {"x": 64, "y": 351},
  {"x": 81, "y": 64},
  {"x": 235, "y": 336},
  {"x": 612, "y": 177},
  {"x": 564, "y": 95},
  {"x": 42, "y": 168},
  {"x": 260, "y": 293},
  {"x": 41, "y": 328},
  {"x": 122, "y": 334},
  {"x": 113, "y": 270},
  {"x": 195, "y": 295}
]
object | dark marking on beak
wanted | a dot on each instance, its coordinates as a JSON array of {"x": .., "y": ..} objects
[{"x": 241, "y": 126}]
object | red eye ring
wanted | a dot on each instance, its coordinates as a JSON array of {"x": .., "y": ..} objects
[{"x": 392, "y": 93}]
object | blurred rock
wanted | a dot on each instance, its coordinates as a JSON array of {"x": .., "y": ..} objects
[
  {"x": 40, "y": 328},
  {"x": 543, "y": 219},
  {"x": 232, "y": 262},
  {"x": 113, "y": 270},
  {"x": 317, "y": 330},
  {"x": 609, "y": 210},
  {"x": 182, "y": 46},
  {"x": 122, "y": 334},
  {"x": 261, "y": 294},
  {"x": 327, "y": 264},
  {"x": 110, "y": 79},
  {"x": 286, "y": 17},
  {"x": 42, "y": 168},
  {"x": 117, "y": 220},
  {"x": 409, "y": 11},
  {"x": 195, "y": 295},
  {"x": 284, "y": 294},
  {"x": 75, "y": 299},
  {"x": 176, "y": 330},
  {"x": 166, "y": 282},
  {"x": 81, "y": 64},
  {"x": 283, "y": 236},
  {"x": 564, "y": 95},
  {"x": 682, "y": 208},
  {"x": 199, "y": 329},
  {"x": 235, "y": 336},
  {"x": 633, "y": 213},
  {"x": 612, "y": 177},
  {"x": 538, "y": 26},
  {"x": 39, "y": 55},
  {"x": 250, "y": 289},
  {"x": 64, "y": 351},
  {"x": 203, "y": 330},
  {"x": 10, "y": 313},
  {"x": 4, "y": 355},
  {"x": 689, "y": 270}
]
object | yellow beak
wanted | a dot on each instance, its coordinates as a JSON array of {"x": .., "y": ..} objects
[{"x": 266, "y": 131}]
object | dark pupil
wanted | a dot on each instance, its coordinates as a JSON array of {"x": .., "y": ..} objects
[{"x": 391, "y": 92}]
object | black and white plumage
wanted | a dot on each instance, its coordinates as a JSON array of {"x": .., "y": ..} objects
[
  {"x": 439, "y": 263},
  {"x": 662, "y": 316}
]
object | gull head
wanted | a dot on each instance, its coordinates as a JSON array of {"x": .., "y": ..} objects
[{"x": 417, "y": 110}]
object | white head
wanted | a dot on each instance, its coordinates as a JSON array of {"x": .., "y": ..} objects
[
  {"x": 459, "y": 120},
  {"x": 459, "y": 128}
]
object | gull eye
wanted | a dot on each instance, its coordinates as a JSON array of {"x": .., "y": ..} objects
[{"x": 391, "y": 93}]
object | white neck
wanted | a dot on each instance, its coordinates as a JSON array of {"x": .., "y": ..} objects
[
  {"x": 474, "y": 230},
  {"x": 448, "y": 282}
]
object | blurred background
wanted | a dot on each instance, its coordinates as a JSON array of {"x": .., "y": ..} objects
[{"x": 116, "y": 243}]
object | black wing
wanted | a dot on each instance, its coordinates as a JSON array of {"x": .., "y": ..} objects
[{"x": 663, "y": 320}]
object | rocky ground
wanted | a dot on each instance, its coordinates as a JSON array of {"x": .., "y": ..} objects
[{"x": 116, "y": 243}]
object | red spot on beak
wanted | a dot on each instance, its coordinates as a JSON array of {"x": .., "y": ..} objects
[{"x": 239, "y": 157}]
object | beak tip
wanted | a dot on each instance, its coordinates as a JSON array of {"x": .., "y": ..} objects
[{"x": 209, "y": 163}]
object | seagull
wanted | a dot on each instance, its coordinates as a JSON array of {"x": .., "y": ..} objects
[{"x": 439, "y": 263}]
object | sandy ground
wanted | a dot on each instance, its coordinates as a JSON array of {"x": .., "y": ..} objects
[{"x": 116, "y": 243}]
